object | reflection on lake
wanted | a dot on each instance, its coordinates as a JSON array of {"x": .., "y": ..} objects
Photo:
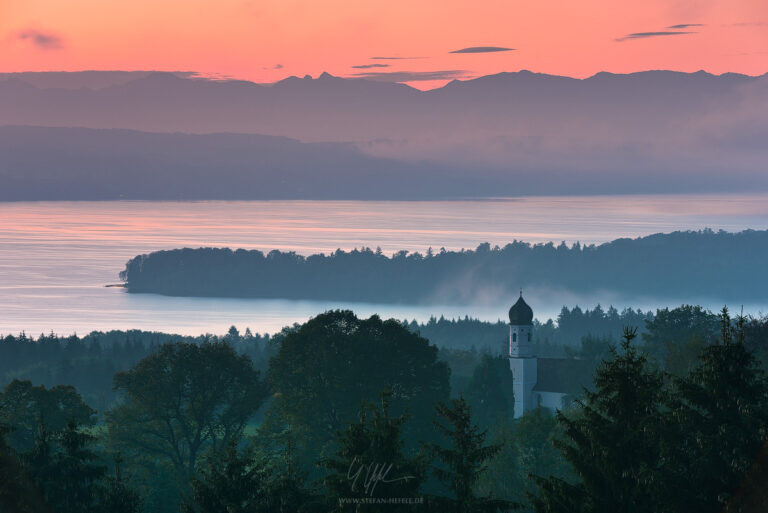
[{"x": 55, "y": 258}]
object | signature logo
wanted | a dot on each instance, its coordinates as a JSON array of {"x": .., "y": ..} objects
[{"x": 368, "y": 475}]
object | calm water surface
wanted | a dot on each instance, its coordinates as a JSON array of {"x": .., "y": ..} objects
[{"x": 56, "y": 257}]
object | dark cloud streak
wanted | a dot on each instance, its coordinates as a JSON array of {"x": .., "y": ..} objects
[
  {"x": 483, "y": 49},
  {"x": 646, "y": 35},
  {"x": 685, "y": 25},
  {"x": 367, "y": 66}
]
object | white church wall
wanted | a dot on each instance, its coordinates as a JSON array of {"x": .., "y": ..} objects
[
  {"x": 524, "y": 378},
  {"x": 550, "y": 400}
]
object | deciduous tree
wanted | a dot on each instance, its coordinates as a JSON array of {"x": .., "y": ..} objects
[{"x": 183, "y": 399}]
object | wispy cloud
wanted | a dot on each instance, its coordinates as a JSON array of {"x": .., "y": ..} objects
[
  {"x": 685, "y": 25},
  {"x": 645, "y": 35},
  {"x": 41, "y": 40},
  {"x": 749, "y": 24},
  {"x": 411, "y": 76},
  {"x": 395, "y": 58},
  {"x": 367, "y": 66},
  {"x": 483, "y": 49}
]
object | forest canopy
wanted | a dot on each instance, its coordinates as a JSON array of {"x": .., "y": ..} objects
[{"x": 694, "y": 264}]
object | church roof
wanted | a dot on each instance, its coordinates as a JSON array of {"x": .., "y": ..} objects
[
  {"x": 521, "y": 314},
  {"x": 563, "y": 375}
]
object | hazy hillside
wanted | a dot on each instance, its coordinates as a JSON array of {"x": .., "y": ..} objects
[
  {"x": 505, "y": 134},
  {"x": 336, "y": 109},
  {"x": 43, "y": 163}
]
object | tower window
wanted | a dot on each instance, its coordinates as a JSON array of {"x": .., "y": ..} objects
[
  {"x": 514, "y": 337},
  {"x": 529, "y": 336}
]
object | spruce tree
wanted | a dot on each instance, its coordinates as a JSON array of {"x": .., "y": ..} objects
[
  {"x": 285, "y": 489},
  {"x": 463, "y": 461},
  {"x": 721, "y": 408},
  {"x": 17, "y": 493},
  {"x": 65, "y": 469},
  {"x": 116, "y": 496},
  {"x": 370, "y": 467},
  {"x": 229, "y": 481},
  {"x": 614, "y": 441}
]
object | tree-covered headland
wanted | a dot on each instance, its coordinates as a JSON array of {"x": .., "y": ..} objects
[{"x": 661, "y": 265}]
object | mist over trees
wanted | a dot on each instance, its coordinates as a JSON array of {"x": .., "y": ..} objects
[{"x": 676, "y": 265}]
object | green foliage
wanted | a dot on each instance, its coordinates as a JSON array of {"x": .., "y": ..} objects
[
  {"x": 183, "y": 399},
  {"x": 463, "y": 461},
  {"x": 66, "y": 470},
  {"x": 505, "y": 477},
  {"x": 635, "y": 442},
  {"x": 549, "y": 337},
  {"x": 88, "y": 363},
  {"x": 721, "y": 409},
  {"x": 24, "y": 407},
  {"x": 462, "y": 364},
  {"x": 614, "y": 442},
  {"x": 116, "y": 496},
  {"x": 527, "y": 450},
  {"x": 239, "y": 479},
  {"x": 18, "y": 493},
  {"x": 490, "y": 392},
  {"x": 676, "y": 327},
  {"x": 371, "y": 462},
  {"x": 335, "y": 361},
  {"x": 591, "y": 348},
  {"x": 228, "y": 482},
  {"x": 683, "y": 356},
  {"x": 640, "y": 444}
]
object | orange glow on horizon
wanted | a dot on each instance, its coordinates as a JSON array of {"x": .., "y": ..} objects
[{"x": 267, "y": 40}]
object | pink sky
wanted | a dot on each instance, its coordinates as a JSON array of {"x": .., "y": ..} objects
[{"x": 267, "y": 40}]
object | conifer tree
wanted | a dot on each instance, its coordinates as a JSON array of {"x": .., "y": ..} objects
[
  {"x": 614, "y": 442},
  {"x": 116, "y": 497},
  {"x": 370, "y": 464},
  {"x": 230, "y": 481},
  {"x": 463, "y": 461},
  {"x": 65, "y": 470},
  {"x": 285, "y": 490},
  {"x": 17, "y": 493},
  {"x": 721, "y": 409},
  {"x": 238, "y": 480}
]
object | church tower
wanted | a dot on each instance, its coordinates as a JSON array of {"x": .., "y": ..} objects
[{"x": 521, "y": 360}]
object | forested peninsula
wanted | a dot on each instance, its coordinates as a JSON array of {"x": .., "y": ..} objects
[{"x": 697, "y": 264}]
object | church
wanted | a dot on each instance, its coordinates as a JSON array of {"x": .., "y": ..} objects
[{"x": 551, "y": 383}]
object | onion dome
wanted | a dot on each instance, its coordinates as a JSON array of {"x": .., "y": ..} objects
[{"x": 521, "y": 314}]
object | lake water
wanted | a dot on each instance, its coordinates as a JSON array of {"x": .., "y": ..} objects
[{"x": 56, "y": 257}]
